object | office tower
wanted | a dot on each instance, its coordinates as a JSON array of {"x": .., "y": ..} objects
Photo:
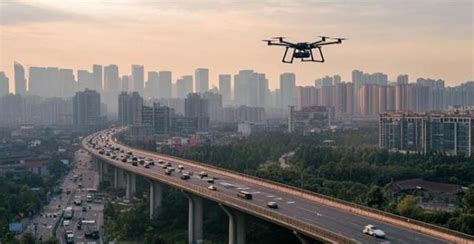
[
  {"x": 130, "y": 108},
  {"x": 4, "y": 84},
  {"x": 125, "y": 83},
  {"x": 85, "y": 79},
  {"x": 111, "y": 78},
  {"x": 246, "y": 88},
  {"x": 196, "y": 107},
  {"x": 287, "y": 90},
  {"x": 159, "y": 117},
  {"x": 98, "y": 77},
  {"x": 67, "y": 81},
  {"x": 402, "y": 79},
  {"x": 202, "y": 80},
  {"x": 401, "y": 131},
  {"x": 336, "y": 79},
  {"x": 214, "y": 103},
  {"x": 262, "y": 91},
  {"x": 184, "y": 86},
  {"x": 152, "y": 85},
  {"x": 138, "y": 78},
  {"x": 164, "y": 84},
  {"x": 327, "y": 95},
  {"x": 86, "y": 109},
  {"x": 305, "y": 97},
  {"x": 225, "y": 88},
  {"x": 20, "y": 81}
]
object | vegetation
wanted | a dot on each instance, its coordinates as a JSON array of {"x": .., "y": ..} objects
[{"x": 353, "y": 169}]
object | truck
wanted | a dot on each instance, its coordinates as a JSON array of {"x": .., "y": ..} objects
[
  {"x": 68, "y": 213},
  {"x": 69, "y": 236}
]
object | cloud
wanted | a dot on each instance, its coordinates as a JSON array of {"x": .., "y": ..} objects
[{"x": 13, "y": 12}]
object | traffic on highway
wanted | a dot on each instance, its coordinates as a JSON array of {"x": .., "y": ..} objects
[{"x": 347, "y": 224}]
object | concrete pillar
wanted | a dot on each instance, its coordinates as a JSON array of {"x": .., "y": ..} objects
[
  {"x": 121, "y": 178},
  {"x": 237, "y": 230},
  {"x": 195, "y": 233},
  {"x": 133, "y": 186},
  {"x": 100, "y": 169},
  {"x": 116, "y": 177},
  {"x": 300, "y": 237},
  {"x": 156, "y": 196}
]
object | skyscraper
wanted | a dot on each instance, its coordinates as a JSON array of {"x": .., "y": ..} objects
[
  {"x": 184, "y": 86},
  {"x": 287, "y": 90},
  {"x": 202, "y": 80},
  {"x": 130, "y": 108},
  {"x": 98, "y": 77},
  {"x": 261, "y": 91},
  {"x": 85, "y": 79},
  {"x": 402, "y": 79},
  {"x": 164, "y": 84},
  {"x": 225, "y": 88},
  {"x": 152, "y": 86},
  {"x": 214, "y": 103},
  {"x": 196, "y": 107},
  {"x": 20, "y": 81},
  {"x": 111, "y": 78},
  {"x": 86, "y": 109},
  {"x": 125, "y": 83},
  {"x": 4, "y": 85},
  {"x": 138, "y": 78}
]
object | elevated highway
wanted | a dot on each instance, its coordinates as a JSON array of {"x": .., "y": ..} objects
[{"x": 306, "y": 213}]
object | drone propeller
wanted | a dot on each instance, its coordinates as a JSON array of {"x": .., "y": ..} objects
[
  {"x": 278, "y": 37},
  {"x": 266, "y": 40}
]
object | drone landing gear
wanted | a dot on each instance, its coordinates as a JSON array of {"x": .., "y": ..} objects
[
  {"x": 312, "y": 57},
  {"x": 284, "y": 60}
]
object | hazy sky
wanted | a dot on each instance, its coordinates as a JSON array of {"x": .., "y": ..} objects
[{"x": 433, "y": 39}]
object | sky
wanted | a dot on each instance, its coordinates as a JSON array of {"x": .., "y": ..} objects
[{"x": 425, "y": 38}]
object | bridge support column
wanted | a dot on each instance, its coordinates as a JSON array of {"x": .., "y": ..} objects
[
  {"x": 130, "y": 187},
  {"x": 300, "y": 237},
  {"x": 195, "y": 234},
  {"x": 116, "y": 177},
  {"x": 237, "y": 232},
  {"x": 121, "y": 178},
  {"x": 100, "y": 169},
  {"x": 156, "y": 195}
]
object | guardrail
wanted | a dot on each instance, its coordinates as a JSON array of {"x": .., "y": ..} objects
[{"x": 415, "y": 225}]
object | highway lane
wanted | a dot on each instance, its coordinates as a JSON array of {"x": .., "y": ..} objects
[
  {"x": 336, "y": 220},
  {"x": 88, "y": 177}
]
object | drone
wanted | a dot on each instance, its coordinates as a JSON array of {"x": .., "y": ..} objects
[{"x": 303, "y": 50}]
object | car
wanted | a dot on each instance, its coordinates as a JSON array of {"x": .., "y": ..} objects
[
  {"x": 168, "y": 164},
  {"x": 245, "y": 194},
  {"x": 185, "y": 177},
  {"x": 272, "y": 205},
  {"x": 203, "y": 174},
  {"x": 180, "y": 167},
  {"x": 78, "y": 202},
  {"x": 84, "y": 209},
  {"x": 212, "y": 188},
  {"x": 134, "y": 163},
  {"x": 168, "y": 172},
  {"x": 373, "y": 231},
  {"x": 147, "y": 166},
  {"x": 210, "y": 180}
]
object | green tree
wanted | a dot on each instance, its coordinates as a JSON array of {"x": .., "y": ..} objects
[
  {"x": 408, "y": 206},
  {"x": 468, "y": 200},
  {"x": 376, "y": 197}
]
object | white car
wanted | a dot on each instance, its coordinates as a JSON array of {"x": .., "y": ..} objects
[
  {"x": 212, "y": 188},
  {"x": 373, "y": 231}
]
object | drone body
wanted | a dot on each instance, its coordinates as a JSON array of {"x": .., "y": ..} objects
[{"x": 303, "y": 50}]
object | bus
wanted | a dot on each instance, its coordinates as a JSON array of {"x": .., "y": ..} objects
[
  {"x": 245, "y": 194},
  {"x": 68, "y": 213}
]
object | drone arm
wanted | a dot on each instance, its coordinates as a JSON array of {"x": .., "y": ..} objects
[
  {"x": 328, "y": 43},
  {"x": 277, "y": 44}
]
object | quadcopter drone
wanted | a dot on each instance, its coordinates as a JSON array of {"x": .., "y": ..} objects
[{"x": 303, "y": 50}]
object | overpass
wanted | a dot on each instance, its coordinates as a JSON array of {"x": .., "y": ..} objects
[{"x": 308, "y": 214}]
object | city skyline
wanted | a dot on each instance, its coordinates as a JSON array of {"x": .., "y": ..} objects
[{"x": 386, "y": 37}]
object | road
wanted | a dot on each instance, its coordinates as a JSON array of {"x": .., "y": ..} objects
[
  {"x": 91, "y": 211},
  {"x": 336, "y": 220}
]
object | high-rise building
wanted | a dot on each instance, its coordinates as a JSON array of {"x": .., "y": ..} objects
[
  {"x": 111, "y": 78},
  {"x": 214, "y": 103},
  {"x": 305, "y": 97},
  {"x": 130, "y": 108},
  {"x": 344, "y": 99},
  {"x": 184, "y": 86},
  {"x": 202, "y": 80},
  {"x": 287, "y": 90},
  {"x": 152, "y": 85},
  {"x": 125, "y": 83},
  {"x": 11, "y": 109},
  {"x": 197, "y": 108},
  {"x": 86, "y": 109},
  {"x": 138, "y": 78},
  {"x": 85, "y": 79},
  {"x": 159, "y": 117},
  {"x": 20, "y": 81},
  {"x": 164, "y": 84},
  {"x": 246, "y": 88},
  {"x": 261, "y": 91},
  {"x": 225, "y": 88},
  {"x": 446, "y": 132},
  {"x": 67, "y": 83},
  {"x": 4, "y": 84},
  {"x": 98, "y": 77},
  {"x": 402, "y": 79}
]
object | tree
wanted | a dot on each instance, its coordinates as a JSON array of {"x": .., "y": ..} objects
[
  {"x": 408, "y": 206},
  {"x": 468, "y": 200},
  {"x": 376, "y": 197}
]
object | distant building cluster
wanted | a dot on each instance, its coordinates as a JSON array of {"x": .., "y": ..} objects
[
  {"x": 449, "y": 132},
  {"x": 86, "y": 98}
]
